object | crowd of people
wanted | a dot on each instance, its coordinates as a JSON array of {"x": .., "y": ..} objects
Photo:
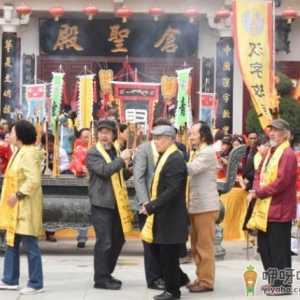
[{"x": 176, "y": 197}]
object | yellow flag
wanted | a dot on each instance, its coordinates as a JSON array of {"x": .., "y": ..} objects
[
  {"x": 253, "y": 36},
  {"x": 86, "y": 98}
]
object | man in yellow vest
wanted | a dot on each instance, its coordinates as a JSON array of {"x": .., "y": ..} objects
[
  {"x": 167, "y": 221},
  {"x": 111, "y": 215},
  {"x": 275, "y": 208}
]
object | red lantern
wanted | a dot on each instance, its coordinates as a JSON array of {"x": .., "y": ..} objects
[
  {"x": 124, "y": 13},
  {"x": 192, "y": 13},
  {"x": 289, "y": 14},
  {"x": 90, "y": 11},
  {"x": 156, "y": 12},
  {"x": 23, "y": 10},
  {"x": 222, "y": 15},
  {"x": 56, "y": 12}
]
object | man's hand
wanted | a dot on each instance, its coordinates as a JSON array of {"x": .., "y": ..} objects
[
  {"x": 126, "y": 155},
  {"x": 12, "y": 200},
  {"x": 251, "y": 195},
  {"x": 143, "y": 210}
]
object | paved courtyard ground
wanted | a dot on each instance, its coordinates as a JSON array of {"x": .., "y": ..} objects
[{"x": 68, "y": 275}]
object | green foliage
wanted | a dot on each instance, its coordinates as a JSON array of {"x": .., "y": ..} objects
[
  {"x": 289, "y": 111},
  {"x": 289, "y": 108},
  {"x": 285, "y": 85},
  {"x": 252, "y": 122}
]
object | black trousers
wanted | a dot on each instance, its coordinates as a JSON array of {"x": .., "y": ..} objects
[
  {"x": 274, "y": 247},
  {"x": 173, "y": 276},
  {"x": 153, "y": 270},
  {"x": 109, "y": 241}
]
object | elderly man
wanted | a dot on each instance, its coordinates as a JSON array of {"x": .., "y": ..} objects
[
  {"x": 203, "y": 206},
  {"x": 166, "y": 224},
  {"x": 144, "y": 163},
  {"x": 109, "y": 203},
  {"x": 275, "y": 189}
]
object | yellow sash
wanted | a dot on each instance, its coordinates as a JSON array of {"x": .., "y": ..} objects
[
  {"x": 147, "y": 231},
  {"x": 120, "y": 191},
  {"x": 154, "y": 153},
  {"x": 269, "y": 173},
  {"x": 193, "y": 154},
  {"x": 187, "y": 190},
  {"x": 9, "y": 215}
]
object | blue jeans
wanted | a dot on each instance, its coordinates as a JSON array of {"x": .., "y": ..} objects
[
  {"x": 11, "y": 271},
  {"x": 82, "y": 235}
]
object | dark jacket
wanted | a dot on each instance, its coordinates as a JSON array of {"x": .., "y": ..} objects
[
  {"x": 169, "y": 209},
  {"x": 248, "y": 167},
  {"x": 282, "y": 190},
  {"x": 100, "y": 186}
]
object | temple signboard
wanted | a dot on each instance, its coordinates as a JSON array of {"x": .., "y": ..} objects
[{"x": 111, "y": 37}]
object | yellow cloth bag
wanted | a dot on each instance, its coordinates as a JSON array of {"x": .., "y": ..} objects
[
  {"x": 147, "y": 231},
  {"x": 120, "y": 191},
  {"x": 269, "y": 173}
]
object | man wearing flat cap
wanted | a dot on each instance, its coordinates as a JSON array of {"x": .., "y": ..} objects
[
  {"x": 167, "y": 222},
  {"x": 111, "y": 216},
  {"x": 275, "y": 208}
]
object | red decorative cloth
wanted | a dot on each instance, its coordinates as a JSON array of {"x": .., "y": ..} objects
[
  {"x": 5, "y": 154},
  {"x": 78, "y": 163},
  {"x": 298, "y": 176}
]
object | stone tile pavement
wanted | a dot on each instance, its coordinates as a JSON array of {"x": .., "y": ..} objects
[{"x": 68, "y": 275}]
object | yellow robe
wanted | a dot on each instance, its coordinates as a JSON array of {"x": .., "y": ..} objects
[
  {"x": 235, "y": 203},
  {"x": 24, "y": 175}
]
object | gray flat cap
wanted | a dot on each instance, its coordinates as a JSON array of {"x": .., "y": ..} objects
[
  {"x": 165, "y": 130},
  {"x": 280, "y": 124}
]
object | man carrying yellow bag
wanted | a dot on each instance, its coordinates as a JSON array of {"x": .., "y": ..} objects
[
  {"x": 167, "y": 221},
  {"x": 275, "y": 208}
]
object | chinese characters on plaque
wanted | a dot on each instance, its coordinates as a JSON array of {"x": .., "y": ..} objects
[
  {"x": 112, "y": 38},
  {"x": 167, "y": 42},
  {"x": 117, "y": 37},
  {"x": 224, "y": 83},
  {"x": 67, "y": 38},
  {"x": 9, "y": 74}
]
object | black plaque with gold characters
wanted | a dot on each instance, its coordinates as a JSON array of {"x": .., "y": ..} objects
[
  {"x": 110, "y": 37},
  {"x": 224, "y": 83},
  {"x": 9, "y": 78}
]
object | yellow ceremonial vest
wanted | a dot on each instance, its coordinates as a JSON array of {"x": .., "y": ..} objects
[
  {"x": 187, "y": 190},
  {"x": 193, "y": 154},
  {"x": 269, "y": 173},
  {"x": 120, "y": 192},
  {"x": 147, "y": 231},
  {"x": 154, "y": 153}
]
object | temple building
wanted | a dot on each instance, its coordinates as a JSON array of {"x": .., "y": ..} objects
[{"x": 141, "y": 42}]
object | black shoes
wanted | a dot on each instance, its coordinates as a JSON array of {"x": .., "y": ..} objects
[
  {"x": 81, "y": 245},
  {"x": 166, "y": 296},
  {"x": 50, "y": 238},
  {"x": 115, "y": 280},
  {"x": 185, "y": 281},
  {"x": 109, "y": 284},
  {"x": 157, "y": 284}
]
